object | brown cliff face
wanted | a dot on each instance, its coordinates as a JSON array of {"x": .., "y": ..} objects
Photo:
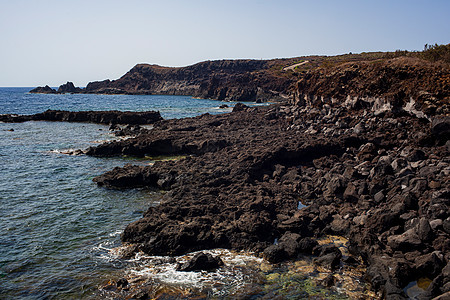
[
  {"x": 233, "y": 80},
  {"x": 393, "y": 81}
]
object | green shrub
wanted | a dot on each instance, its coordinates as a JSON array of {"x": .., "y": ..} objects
[{"x": 436, "y": 52}]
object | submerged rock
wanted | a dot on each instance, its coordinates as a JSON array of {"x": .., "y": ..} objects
[{"x": 201, "y": 262}]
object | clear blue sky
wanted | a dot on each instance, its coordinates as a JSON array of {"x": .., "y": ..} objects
[{"x": 54, "y": 41}]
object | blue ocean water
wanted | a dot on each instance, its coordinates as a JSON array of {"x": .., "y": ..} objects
[
  {"x": 57, "y": 225},
  {"x": 19, "y": 101}
]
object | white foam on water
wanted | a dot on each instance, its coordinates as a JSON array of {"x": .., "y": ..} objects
[
  {"x": 116, "y": 233},
  {"x": 234, "y": 274}
]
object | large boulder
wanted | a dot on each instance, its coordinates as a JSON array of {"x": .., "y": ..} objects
[
  {"x": 201, "y": 262},
  {"x": 440, "y": 128}
]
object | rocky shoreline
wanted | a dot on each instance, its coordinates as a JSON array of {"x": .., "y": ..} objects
[{"x": 377, "y": 178}]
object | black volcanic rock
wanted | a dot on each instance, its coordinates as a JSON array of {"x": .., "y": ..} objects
[
  {"x": 240, "y": 187},
  {"x": 201, "y": 261},
  {"x": 43, "y": 90},
  {"x": 100, "y": 117},
  {"x": 69, "y": 87},
  {"x": 230, "y": 80}
]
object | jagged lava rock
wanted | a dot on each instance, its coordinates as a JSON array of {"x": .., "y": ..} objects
[
  {"x": 201, "y": 262},
  {"x": 43, "y": 90},
  {"x": 68, "y": 87}
]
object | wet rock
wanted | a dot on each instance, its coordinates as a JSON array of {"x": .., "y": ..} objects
[
  {"x": 128, "y": 252},
  {"x": 275, "y": 253},
  {"x": 289, "y": 246},
  {"x": 290, "y": 243},
  {"x": 129, "y": 130},
  {"x": 393, "y": 292},
  {"x": 126, "y": 177},
  {"x": 329, "y": 256},
  {"x": 350, "y": 260},
  {"x": 201, "y": 262},
  {"x": 306, "y": 245},
  {"x": 240, "y": 107},
  {"x": 329, "y": 281}
]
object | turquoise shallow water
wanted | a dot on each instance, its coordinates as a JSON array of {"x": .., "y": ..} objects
[{"x": 57, "y": 225}]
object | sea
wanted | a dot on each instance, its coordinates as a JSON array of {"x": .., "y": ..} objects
[{"x": 60, "y": 232}]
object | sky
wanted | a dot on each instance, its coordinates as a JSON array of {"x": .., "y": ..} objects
[{"x": 55, "y": 41}]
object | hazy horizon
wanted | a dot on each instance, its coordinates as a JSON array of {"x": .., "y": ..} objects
[{"x": 50, "y": 42}]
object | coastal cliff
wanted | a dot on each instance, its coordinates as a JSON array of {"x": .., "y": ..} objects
[
  {"x": 228, "y": 80},
  {"x": 392, "y": 82}
]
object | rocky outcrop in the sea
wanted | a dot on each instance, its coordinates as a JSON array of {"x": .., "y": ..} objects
[
  {"x": 69, "y": 88},
  {"x": 377, "y": 178},
  {"x": 100, "y": 117},
  {"x": 43, "y": 90}
]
